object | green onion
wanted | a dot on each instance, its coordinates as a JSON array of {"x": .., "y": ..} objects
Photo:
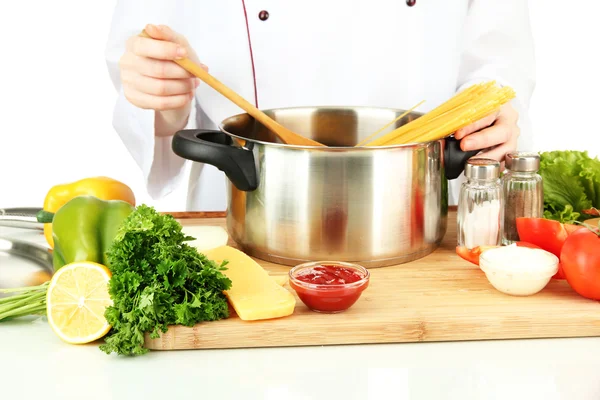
[{"x": 30, "y": 300}]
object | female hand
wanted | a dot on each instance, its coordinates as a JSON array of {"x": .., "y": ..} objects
[
  {"x": 151, "y": 80},
  {"x": 498, "y": 133}
]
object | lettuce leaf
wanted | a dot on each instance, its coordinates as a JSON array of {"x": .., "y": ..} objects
[
  {"x": 571, "y": 184},
  {"x": 590, "y": 176}
]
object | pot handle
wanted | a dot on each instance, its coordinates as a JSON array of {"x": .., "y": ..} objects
[
  {"x": 216, "y": 148},
  {"x": 454, "y": 158}
]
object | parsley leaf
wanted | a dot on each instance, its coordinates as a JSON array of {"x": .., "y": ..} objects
[{"x": 158, "y": 280}]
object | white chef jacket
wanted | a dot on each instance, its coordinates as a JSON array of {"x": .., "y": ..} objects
[{"x": 379, "y": 53}]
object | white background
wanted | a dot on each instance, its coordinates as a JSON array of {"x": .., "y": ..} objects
[{"x": 56, "y": 94}]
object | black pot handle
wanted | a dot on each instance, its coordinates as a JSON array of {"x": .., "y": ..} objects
[
  {"x": 216, "y": 148},
  {"x": 454, "y": 158}
]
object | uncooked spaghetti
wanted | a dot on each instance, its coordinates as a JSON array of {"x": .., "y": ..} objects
[
  {"x": 366, "y": 140},
  {"x": 466, "y": 107}
]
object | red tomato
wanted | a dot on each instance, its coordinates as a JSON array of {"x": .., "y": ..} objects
[
  {"x": 580, "y": 259},
  {"x": 548, "y": 234},
  {"x": 473, "y": 254}
]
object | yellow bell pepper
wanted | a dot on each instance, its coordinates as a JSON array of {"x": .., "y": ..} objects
[{"x": 101, "y": 187}]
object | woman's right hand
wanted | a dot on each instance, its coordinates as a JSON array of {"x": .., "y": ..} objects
[{"x": 151, "y": 80}]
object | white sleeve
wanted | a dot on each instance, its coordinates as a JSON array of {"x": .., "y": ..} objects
[
  {"x": 162, "y": 169},
  {"x": 498, "y": 45}
]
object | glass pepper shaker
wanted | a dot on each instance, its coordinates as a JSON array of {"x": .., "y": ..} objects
[
  {"x": 480, "y": 205},
  {"x": 522, "y": 190}
]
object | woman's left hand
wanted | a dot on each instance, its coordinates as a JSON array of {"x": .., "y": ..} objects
[{"x": 497, "y": 132}]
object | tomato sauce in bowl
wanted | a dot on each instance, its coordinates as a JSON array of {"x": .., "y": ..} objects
[{"x": 329, "y": 286}]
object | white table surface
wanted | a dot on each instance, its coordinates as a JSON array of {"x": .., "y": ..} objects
[{"x": 35, "y": 363}]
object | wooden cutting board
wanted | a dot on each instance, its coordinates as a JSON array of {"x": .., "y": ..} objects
[{"x": 437, "y": 298}]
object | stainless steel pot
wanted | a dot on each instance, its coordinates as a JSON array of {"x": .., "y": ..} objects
[{"x": 376, "y": 206}]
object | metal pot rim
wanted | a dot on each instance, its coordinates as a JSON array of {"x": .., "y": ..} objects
[{"x": 327, "y": 148}]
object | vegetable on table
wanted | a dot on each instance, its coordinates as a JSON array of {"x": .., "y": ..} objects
[
  {"x": 84, "y": 228},
  {"x": 158, "y": 280},
  {"x": 580, "y": 260},
  {"x": 472, "y": 255},
  {"x": 549, "y": 235},
  {"x": 76, "y": 300},
  {"x": 24, "y": 301},
  {"x": 104, "y": 188},
  {"x": 571, "y": 185}
]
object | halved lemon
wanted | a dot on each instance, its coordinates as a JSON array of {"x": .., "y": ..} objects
[{"x": 76, "y": 300}]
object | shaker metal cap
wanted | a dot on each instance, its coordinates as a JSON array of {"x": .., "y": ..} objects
[
  {"x": 482, "y": 168},
  {"x": 522, "y": 162}
]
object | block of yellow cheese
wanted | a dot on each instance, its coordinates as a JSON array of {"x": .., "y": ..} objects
[
  {"x": 254, "y": 294},
  {"x": 281, "y": 280}
]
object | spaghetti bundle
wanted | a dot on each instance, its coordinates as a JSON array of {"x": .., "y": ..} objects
[{"x": 464, "y": 108}]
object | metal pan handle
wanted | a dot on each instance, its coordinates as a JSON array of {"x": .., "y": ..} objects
[{"x": 20, "y": 217}]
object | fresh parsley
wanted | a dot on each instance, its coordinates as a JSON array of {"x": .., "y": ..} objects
[{"x": 158, "y": 280}]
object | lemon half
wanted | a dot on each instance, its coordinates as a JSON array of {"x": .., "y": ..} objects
[{"x": 76, "y": 300}]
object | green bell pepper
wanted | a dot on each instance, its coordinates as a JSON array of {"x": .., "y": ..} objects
[{"x": 84, "y": 228}]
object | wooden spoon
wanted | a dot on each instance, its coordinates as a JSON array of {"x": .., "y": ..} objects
[{"x": 282, "y": 132}]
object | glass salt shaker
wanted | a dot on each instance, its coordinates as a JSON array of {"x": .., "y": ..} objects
[
  {"x": 522, "y": 190},
  {"x": 480, "y": 205}
]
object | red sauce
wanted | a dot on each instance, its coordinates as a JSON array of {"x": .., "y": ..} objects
[
  {"x": 329, "y": 275},
  {"x": 329, "y": 287}
]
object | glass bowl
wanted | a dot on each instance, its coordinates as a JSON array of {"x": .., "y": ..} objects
[
  {"x": 329, "y": 286},
  {"x": 518, "y": 271}
]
